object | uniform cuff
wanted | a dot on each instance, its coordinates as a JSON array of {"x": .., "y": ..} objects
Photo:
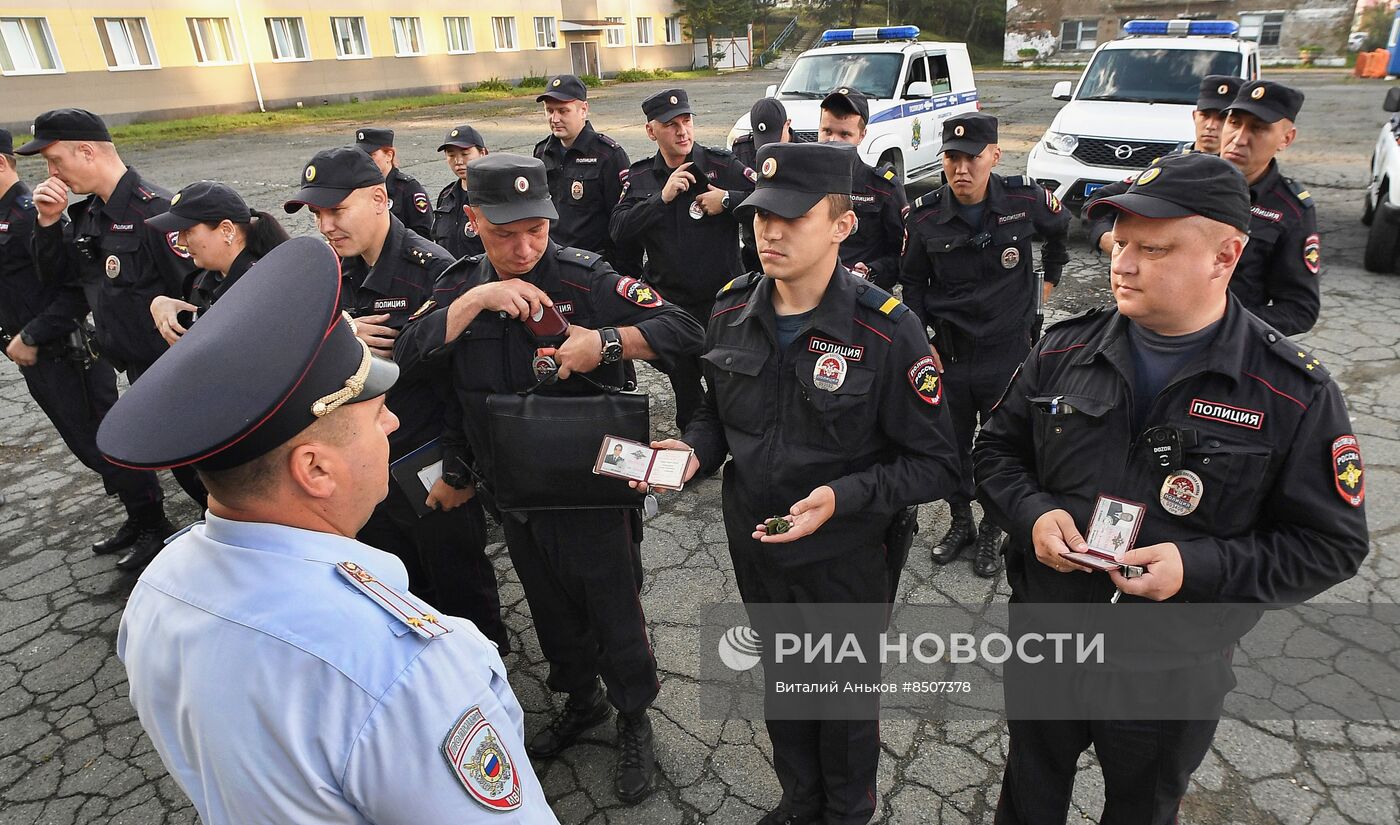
[
  {"x": 852, "y": 495},
  {"x": 1200, "y": 570}
]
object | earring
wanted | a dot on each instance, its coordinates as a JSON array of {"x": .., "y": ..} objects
[{"x": 228, "y": 240}]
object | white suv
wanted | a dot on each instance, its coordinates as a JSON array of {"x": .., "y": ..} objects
[
  {"x": 912, "y": 86},
  {"x": 1133, "y": 103},
  {"x": 1382, "y": 212}
]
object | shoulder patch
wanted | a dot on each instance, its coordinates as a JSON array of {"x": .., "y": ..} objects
[
  {"x": 582, "y": 257},
  {"x": 1348, "y": 469},
  {"x": 423, "y": 310},
  {"x": 636, "y": 292},
  {"x": 739, "y": 284},
  {"x": 927, "y": 383},
  {"x": 172, "y": 239},
  {"x": 1304, "y": 361},
  {"x": 480, "y": 761},
  {"x": 873, "y": 297},
  {"x": 398, "y": 605},
  {"x": 420, "y": 201},
  {"x": 1304, "y": 196}
]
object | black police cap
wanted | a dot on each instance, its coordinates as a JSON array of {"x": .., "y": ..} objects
[
  {"x": 268, "y": 360},
  {"x": 7, "y": 142},
  {"x": 793, "y": 177},
  {"x": 667, "y": 105},
  {"x": 463, "y": 137},
  {"x": 1268, "y": 101},
  {"x": 330, "y": 177},
  {"x": 370, "y": 138},
  {"x": 203, "y": 202},
  {"x": 564, "y": 87},
  {"x": 969, "y": 134},
  {"x": 65, "y": 124},
  {"x": 766, "y": 119},
  {"x": 1218, "y": 92},
  {"x": 507, "y": 188},
  {"x": 1177, "y": 186},
  {"x": 847, "y": 101}
]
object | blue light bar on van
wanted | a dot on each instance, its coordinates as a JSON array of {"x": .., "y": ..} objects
[
  {"x": 870, "y": 33},
  {"x": 1226, "y": 28}
]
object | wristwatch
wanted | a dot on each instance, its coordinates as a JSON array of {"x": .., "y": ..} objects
[
  {"x": 27, "y": 339},
  {"x": 725, "y": 203},
  {"x": 612, "y": 345}
]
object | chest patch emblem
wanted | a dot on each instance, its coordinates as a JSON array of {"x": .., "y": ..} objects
[
  {"x": 830, "y": 372},
  {"x": 1226, "y": 414}
]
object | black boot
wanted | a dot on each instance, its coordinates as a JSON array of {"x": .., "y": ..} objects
[
  {"x": 149, "y": 541},
  {"x": 959, "y": 536},
  {"x": 137, "y": 515},
  {"x": 636, "y": 763},
  {"x": 987, "y": 563},
  {"x": 582, "y": 711},
  {"x": 782, "y": 816}
]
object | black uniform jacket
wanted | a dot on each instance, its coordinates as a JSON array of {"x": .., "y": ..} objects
[
  {"x": 408, "y": 200},
  {"x": 877, "y": 195},
  {"x": 46, "y": 312},
  {"x": 872, "y": 424},
  {"x": 451, "y": 229},
  {"x": 1276, "y": 277},
  {"x": 1280, "y": 516},
  {"x": 980, "y": 280},
  {"x": 208, "y": 286},
  {"x": 121, "y": 264},
  {"x": 585, "y": 183}
]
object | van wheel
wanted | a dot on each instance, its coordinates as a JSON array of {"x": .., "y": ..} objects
[
  {"x": 1381, "y": 243},
  {"x": 894, "y": 157},
  {"x": 1368, "y": 208}
]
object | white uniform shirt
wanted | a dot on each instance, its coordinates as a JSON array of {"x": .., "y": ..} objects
[{"x": 276, "y": 691}]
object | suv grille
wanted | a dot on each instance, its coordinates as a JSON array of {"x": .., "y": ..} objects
[{"x": 1123, "y": 154}]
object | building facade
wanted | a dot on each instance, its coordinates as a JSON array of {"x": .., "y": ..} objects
[
  {"x": 1067, "y": 31},
  {"x": 133, "y": 60}
]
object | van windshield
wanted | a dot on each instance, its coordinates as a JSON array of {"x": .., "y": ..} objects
[
  {"x": 1153, "y": 75},
  {"x": 815, "y": 75}
]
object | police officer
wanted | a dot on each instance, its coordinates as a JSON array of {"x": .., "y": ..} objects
[
  {"x": 586, "y": 171},
  {"x": 1256, "y": 495},
  {"x": 873, "y": 249},
  {"x": 308, "y": 678},
  {"x": 678, "y": 205},
  {"x": 40, "y": 330},
  {"x": 967, "y": 274},
  {"x": 452, "y": 227},
  {"x": 1278, "y": 277},
  {"x": 769, "y": 121},
  {"x": 823, "y": 391},
  {"x": 387, "y": 272},
  {"x": 580, "y": 568},
  {"x": 1216, "y": 94},
  {"x": 224, "y": 238},
  {"x": 408, "y": 200}
]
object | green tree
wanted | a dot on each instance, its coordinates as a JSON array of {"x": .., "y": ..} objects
[{"x": 705, "y": 17}]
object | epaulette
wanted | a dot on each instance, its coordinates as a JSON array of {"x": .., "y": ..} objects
[
  {"x": 933, "y": 198},
  {"x": 887, "y": 172},
  {"x": 419, "y": 256},
  {"x": 1017, "y": 182},
  {"x": 1075, "y": 320},
  {"x": 582, "y": 257},
  {"x": 144, "y": 193},
  {"x": 718, "y": 152},
  {"x": 739, "y": 284},
  {"x": 399, "y": 605},
  {"x": 541, "y": 144},
  {"x": 448, "y": 188},
  {"x": 1287, "y": 349},
  {"x": 24, "y": 201},
  {"x": 1304, "y": 196},
  {"x": 873, "y": 297},
  {"x": 607, "y": 141}
]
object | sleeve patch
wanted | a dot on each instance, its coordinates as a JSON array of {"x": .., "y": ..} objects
[
  {"x": 423, "y": 310},
  {"x": 480, "y": 761},
  {"x": 643, "y": 295},
  {"x": 927, "y": 383},
  {"x": 1348, "y": 470},
  {"x": 1312, "y": 253},
  {"x": 1052, "y": 202},
  {"x": 173, "y": 239},
  {"x": 420, "y": 201}
]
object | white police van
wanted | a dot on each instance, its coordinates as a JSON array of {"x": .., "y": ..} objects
[
  {"x": 912, "y": 85},
  {"x": 1382, "y": 208},
  {"x": 1133, "y": 103}
]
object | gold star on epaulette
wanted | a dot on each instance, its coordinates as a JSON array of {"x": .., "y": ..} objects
[
  {"x": 414, "y": 621},
  {"x": 1309, "y": 364}
]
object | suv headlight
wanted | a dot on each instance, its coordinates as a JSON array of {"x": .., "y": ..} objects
[{"x": 1061, "y": 143}]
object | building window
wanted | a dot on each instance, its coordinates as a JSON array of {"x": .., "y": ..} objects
[
  {"x": 544, "y": 33},
  {"x": 126, "y": 43},
  {"x": 288, "y": 38},
  {"x": 459, "y": 35},
  {"x": 673, "y": 29},
  {"x": 351, "y": 40},
  {"x": 1266, "y": 29},
  {"x": 616, "y": 34},
  {"x": 503, "y": 30},
  {"x": 26, "y": 46},
  {"x": 1078, "y": 35},
  {"x": 408, "y": 36},
  {"x": 644, "y": 31},
  {"x": 213, "y": 40}
]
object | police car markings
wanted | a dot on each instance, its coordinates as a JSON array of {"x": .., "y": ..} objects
[{"x": 919, "y": 107}]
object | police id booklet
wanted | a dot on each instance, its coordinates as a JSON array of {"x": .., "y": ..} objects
[
  {"x": 1112, "y": 531},
  {"x": 417, "y": 472},
  {"x": 634, "y": 461}
]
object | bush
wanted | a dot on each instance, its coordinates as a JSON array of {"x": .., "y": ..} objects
[
  {"x": 532, "y": 81},
  {"x": 592, "y": 81},
  {"x": 661, "y": 74},
  {"x": 493, "y": 84},
  {"x": 633, "y": 76}
]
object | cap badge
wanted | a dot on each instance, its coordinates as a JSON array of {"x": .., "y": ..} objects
[
  {"x": 175, "y": 199},
  {"x": 959, "y": 130},
  {"x": 557, "y": 81},
  {"x": 359, "y": 136},
  {"x": 1257, "y": 93},
  {"x": 1223, "y": 89},
  {"x": 309, "y": 174},
  {"x": 453, "y": 133},
  {"x": 770, "y": 167},
  {"x": 522, "y": 185},
  {"x": 843, "y": 91},
  {"x": 1148, "y": 175},
  {"x": 763, "y": 127},
  {"x": 673, "y": 100}
]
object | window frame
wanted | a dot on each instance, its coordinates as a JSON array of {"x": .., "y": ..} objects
[
  {"x": 1079, "y": 23},
  {"x": 680, "y": 30},
  {"x": 510, "y": 28},
  {"x": 268, "y": 23},
  {"x": 364, "y": 38},
  {"x": 105, "y": 38},
  {"x": 49, "y": 45},
  {"x": 417, "y": 26},
  {"x": 469, "y": 31},
  {"x": 619, "y": 31},
  {"x": 551, "y": 30},
  {"x": 1268, "y": 22},
  {"x": 650, "y": 39},
  {"x": 197, "y": 40}
]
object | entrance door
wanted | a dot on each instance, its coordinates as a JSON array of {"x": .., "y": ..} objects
[{"x": 585, "y": 57}]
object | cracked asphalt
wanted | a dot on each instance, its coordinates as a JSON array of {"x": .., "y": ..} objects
[{"x": 72, "y": 751}]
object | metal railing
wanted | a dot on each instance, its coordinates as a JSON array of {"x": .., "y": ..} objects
[{"x": 770, "y": 54}]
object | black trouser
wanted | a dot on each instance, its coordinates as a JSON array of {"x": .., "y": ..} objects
[
  {"x": 582, "y": 574},
  {"x": 975, "y": 374},
  {"x": 686, "y": 375},
  {"x": 186, "y": 476},
  {"x": 1146, "y": 766},
  {"x": 445, "y": 554},
  {"x": 75, "y": 399},
  {"x": 826, "y": 767}
]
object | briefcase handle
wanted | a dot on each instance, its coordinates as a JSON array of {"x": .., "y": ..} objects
[{"x": 549, "y": 377}]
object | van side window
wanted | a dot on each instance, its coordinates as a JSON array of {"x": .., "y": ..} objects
[
  {"x": 942, "y": 79},
  {"x": 917, "y": 73}
]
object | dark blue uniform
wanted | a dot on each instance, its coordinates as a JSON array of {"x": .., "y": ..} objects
[
  {"x": 877, "y": 196},
  {"x": 408, "y": 201},
  {"x": 585, "y": 183},
  {"x": 451, "y": 228}
]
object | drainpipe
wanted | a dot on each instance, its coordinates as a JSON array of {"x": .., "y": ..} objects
[
  {"x": 632, "y": 25},
  {"x": 248, "y": 51}
]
